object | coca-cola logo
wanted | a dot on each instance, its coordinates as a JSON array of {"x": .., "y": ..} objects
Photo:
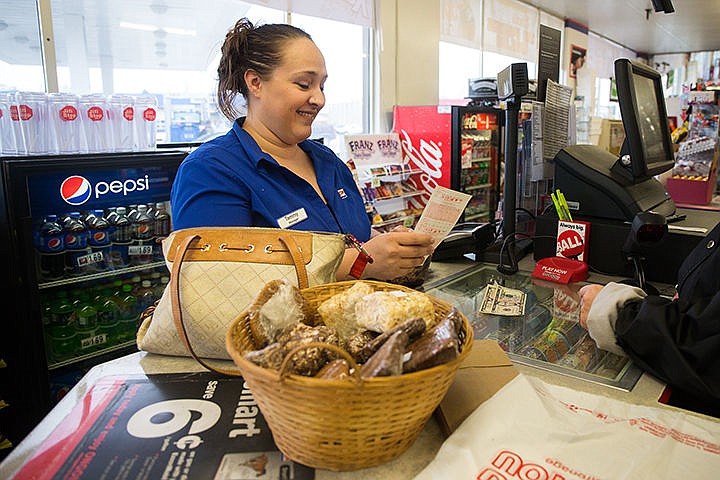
[
  {"x": 149, "y": 114},
  {"x": 428, "y": 159},
  {"x": 14, "y": 115},
  {"x": 68, "y": 113},
  {"x": 95, "y": 113},
  {"x": 129, "y": 113}
]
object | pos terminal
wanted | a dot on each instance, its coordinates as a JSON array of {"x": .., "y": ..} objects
[{"x": 609, "y": 192}]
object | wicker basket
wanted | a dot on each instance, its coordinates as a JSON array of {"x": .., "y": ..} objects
[{"x": 345, "y": 424}]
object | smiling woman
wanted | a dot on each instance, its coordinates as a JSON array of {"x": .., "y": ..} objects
[{"x": 265, "y": 171}]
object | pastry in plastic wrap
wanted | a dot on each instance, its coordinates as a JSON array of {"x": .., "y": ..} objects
[
  {"x": 458, "y": 323},
  {"x": 337, "y": 369},
  {"x": 388, "y": 360},
  {"x": 439, "y": 345},
  {"x": 338, "y": 311},
  {"x": 381, "y": 311},
  {"x": 308, "y": 361},
  {"x": 414, "y": 328},
  {"x": 271, "y": 356},
  {"x": 278, "y": 305},
  {"x": 357, "y": 345}
]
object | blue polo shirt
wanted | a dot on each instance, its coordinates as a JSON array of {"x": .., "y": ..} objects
[{"x": 230, "y": 181}]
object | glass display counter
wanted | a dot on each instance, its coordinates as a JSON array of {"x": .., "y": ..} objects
[{"x": 547, "y": 336}]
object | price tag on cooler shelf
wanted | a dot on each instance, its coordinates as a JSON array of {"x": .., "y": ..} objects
[
  {"x": 89, "y": 259},
  {"x": 93, "y": 341},
  {"x": 140, "y": 250}
]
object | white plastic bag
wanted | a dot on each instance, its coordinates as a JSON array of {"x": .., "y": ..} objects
[{"x": 533, "y": 430}]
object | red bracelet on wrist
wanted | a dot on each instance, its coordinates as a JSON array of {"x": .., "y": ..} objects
[
  {"x": 358, "y": 266},
  {"x": 363, "y": 258}
]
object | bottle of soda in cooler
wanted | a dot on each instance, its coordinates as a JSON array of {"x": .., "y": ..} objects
[
  {"x": 51, "y": 249},
  {"x": 132, "y": 213},
  {"x": 121, "y": 236},
  {"x": 162, "y": 230},
  {"x": 128, "y": 313},
  {"x": 86, "y": 325},
  {"x": 99, "y": 238},
  {"x": 143, "y": 236},
  {"x": 146, "y": 295},
  {"x": 63, "y": 343},
  {"x": 108, "y": 316},
  {"x": 77, "y": 253}
]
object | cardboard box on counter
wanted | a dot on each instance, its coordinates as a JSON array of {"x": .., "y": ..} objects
[{"x": 485, "y": 371}]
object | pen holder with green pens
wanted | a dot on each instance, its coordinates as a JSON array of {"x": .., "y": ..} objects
[{"x": 572, "y": 236}]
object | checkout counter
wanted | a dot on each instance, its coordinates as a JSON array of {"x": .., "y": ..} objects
[{"x": 460, "y": 281}]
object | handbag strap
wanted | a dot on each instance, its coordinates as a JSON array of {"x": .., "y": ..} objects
[
  {"x": 300, "y": 270},
  {"x": 297, "y": 257}
]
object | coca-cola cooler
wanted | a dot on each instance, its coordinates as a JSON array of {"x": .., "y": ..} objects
[
  {"x": 425, "y": 138},
  {"x": 81, "y": 247},
  {"x": 456, "y": 147},
  {"x": 476, "y": 136}
]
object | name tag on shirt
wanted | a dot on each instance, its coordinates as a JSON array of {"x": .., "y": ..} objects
[{"x": 292, "y": 218}]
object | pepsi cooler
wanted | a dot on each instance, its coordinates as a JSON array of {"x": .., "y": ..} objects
[{"x": 81, "y": 241}]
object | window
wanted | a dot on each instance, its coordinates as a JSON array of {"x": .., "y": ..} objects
[
  {"x": 457, "y": 65},
  {"x": 20, "y": 50},
  {"x": 171, "y": 49},
  {"x": 346, "y": 50},
  {"x": 168, "y": 49},
  {"x": 479, "y": 39}
]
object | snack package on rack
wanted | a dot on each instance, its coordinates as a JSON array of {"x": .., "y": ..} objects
[{"x": 695, "y": 158}]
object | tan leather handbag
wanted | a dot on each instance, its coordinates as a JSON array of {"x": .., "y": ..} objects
[{"x": 216, "y": 272}]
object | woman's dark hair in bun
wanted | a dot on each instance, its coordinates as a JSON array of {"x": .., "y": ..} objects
[{"x": 249, "y": 47}]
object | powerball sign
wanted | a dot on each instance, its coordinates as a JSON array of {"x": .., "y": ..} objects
[{"x": 572, "y": 240}]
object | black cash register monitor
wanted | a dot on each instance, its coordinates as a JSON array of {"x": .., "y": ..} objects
[{"x": 597, "y": 183}]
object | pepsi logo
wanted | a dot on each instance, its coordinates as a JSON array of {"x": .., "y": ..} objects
[
  {"x": 99, "y": 237},
  {"x": 54, "y": 244},
  {"x": 71, "y": 241},
  {"x": 75, "y": 190}
]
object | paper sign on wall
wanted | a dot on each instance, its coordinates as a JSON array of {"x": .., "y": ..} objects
[{"x": 372, "y": 150}]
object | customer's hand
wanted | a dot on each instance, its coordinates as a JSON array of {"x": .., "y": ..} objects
[
  {"x": 396, "y": 253},
  {"x": 587, "y": 296}
]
